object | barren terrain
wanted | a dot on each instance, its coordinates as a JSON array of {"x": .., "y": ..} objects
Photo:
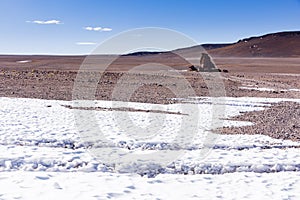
[{"x": 53, "y": 77}]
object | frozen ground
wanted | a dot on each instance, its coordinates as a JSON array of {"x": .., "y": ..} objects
[
  {"x": 100, "y": 185},
  {"x": 269, "y": 89},
  {"x": 44, "y": 154}
]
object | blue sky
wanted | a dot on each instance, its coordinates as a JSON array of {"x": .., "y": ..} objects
[{"x": 73, "y": 26}]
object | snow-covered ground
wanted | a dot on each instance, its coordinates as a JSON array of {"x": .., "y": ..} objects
[
  {"x": 44, "y": 154},
  {"x": 100, "y": 185},
  {"x": 24, "y": 61},
  {"x": 268, "y": 89}
]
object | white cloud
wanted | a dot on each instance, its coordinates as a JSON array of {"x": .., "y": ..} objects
[
  {"x": 106, "y": 29},
  {"x": 86, "y": 43},
  {"x": 89, "y": 28},
  {"x": 45, "y": 22},
  {"x": 97, "y": 29}
]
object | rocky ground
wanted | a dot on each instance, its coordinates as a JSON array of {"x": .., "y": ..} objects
[
  {"x": 48, "y": 84},
  {"x": 280, "y": 121}
]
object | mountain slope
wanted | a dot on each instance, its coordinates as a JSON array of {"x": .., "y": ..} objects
[{"x": 282, "y": 44}]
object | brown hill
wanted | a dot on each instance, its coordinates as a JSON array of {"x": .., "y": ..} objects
[{"x": 283, "y": 44}]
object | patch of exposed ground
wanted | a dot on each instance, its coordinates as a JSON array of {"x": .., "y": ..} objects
[{"x": 280, "y": 121}]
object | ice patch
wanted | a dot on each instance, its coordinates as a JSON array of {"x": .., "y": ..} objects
[
  {"x": 24, "y": 61},
  {"x": 270, "y": 89},
  {"x": 41, "y": 136}
]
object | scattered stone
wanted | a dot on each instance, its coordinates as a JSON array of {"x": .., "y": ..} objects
[{"x": 278, "y": 121}]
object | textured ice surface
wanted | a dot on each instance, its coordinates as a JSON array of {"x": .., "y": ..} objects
[{"x": 43, "y": 155}]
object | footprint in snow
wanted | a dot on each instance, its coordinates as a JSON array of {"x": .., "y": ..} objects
[
  {"x": 57, "y": 186},
  {"x": 42, "y": 177}
]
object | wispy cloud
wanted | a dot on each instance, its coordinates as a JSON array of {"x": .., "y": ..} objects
[
  {"x": 53, "y": 21},
  {"x": 106, "y": 29},
  {"x": 89, "y": 28},
  {"x": 86, "y": 43}
]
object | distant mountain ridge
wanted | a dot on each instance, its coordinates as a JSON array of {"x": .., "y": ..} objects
[{"x": 280, "y": 44}]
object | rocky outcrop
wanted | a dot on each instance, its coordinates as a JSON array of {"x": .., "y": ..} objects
[{"x": 206, "y": 65}]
